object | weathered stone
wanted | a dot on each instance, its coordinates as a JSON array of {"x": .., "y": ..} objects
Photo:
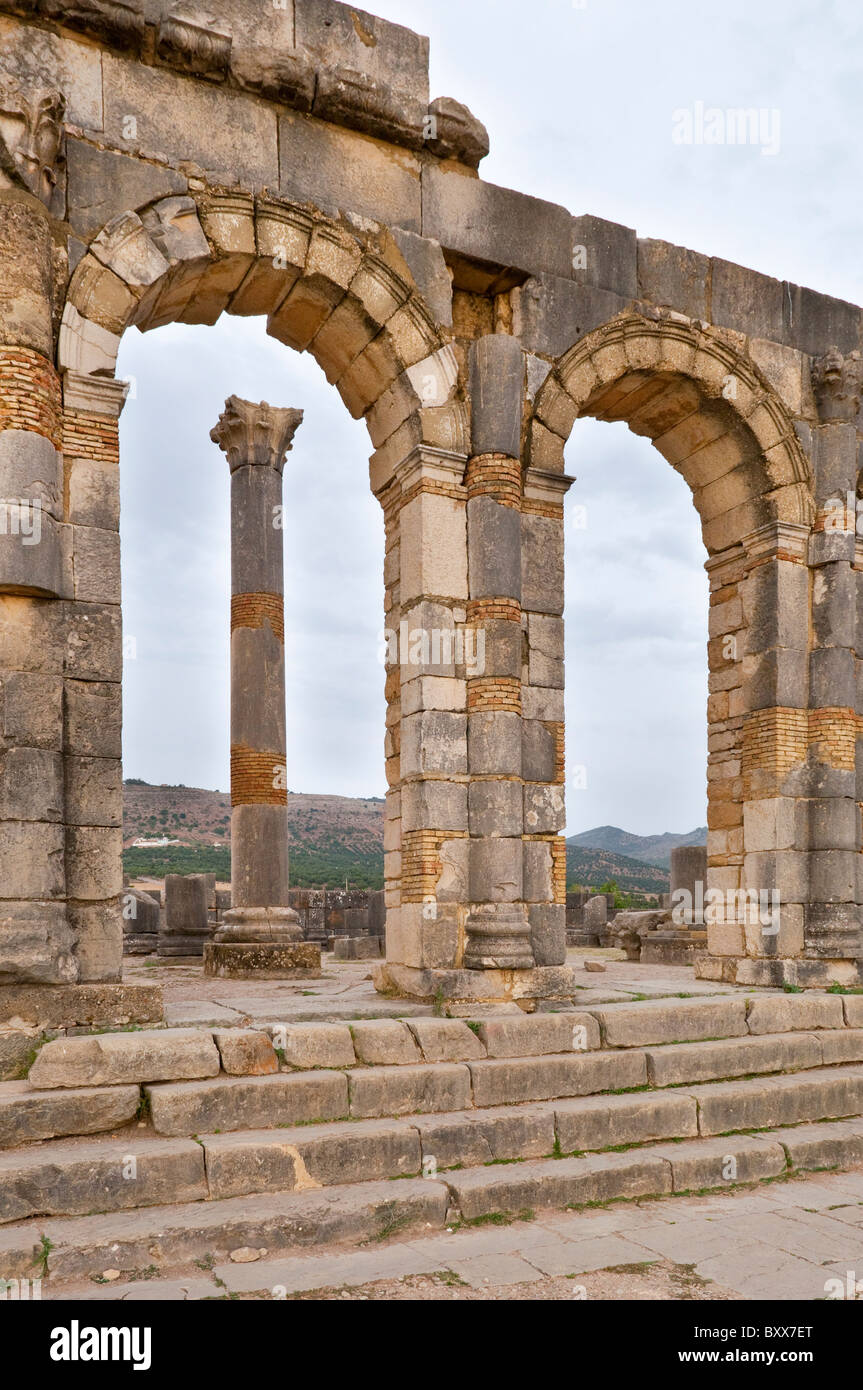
[
  {"x": 535, "y": 1035},
  {"x": 315, "y": 1044},
  {"x": 559, "y": 1183},
  {"x": 786, "y": 1012},
  {"x": 712, "y": 1061},
  {"x": 609, "y": 1121},
  {"x": 446, "y": 1039},
  {"x": 670, "y": 1020},
  {"x": 236, "y": 1102},
  {"x": 507, "y": 1081},
  {"x": 407, "y": 1090},
  {"x": 27, "y": 1117},
  {"x": 246, "y": 1052},
  {"x": 385, "y": 1042},
  {"x": 110, "y": 1059}
]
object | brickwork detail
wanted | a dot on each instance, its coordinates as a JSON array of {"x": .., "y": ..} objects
[
  {"x": 88, "y": 436},
  {"x": 253, "y": 610},
  {"x": 253, "y": 774},
  {"x": 495, "y": 476},
  {"x": 494, "y": 692},
  {"x": 29, "y": 394},
  {"x": 421, "y": 862}
]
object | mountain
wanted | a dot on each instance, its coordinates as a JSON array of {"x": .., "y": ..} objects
[
  {"x": 331, "y": 838},
  {"x": 590, "y": 868},
  {"x": 649, "y": 849}
]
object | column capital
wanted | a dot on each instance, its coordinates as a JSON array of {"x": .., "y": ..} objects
[{"x": 255, "y": 433}]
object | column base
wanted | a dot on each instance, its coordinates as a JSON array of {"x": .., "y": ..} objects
[
  {"x": 247, "y": 960},
  {"x": 498, "y": 938},
  {"x": 524, "y": 987},
  {"x": 273, "y": 926}
]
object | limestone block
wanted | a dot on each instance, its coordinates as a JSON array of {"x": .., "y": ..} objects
[
  {"x": 510, "y": 1080},
  {"x": 433, "y": 532},
  {"x": 538, "y": 882},
  {"x": 774, "y": 823},
  {"x": 112, "y": 1059},
  {"x": 27, "y": 1117},
  {"x": 538, "y": 1035},
  {"x": 488, "y": 223},
  {"x": 538, "y": 752},
  {"x": 307, "y": 1045},
  {"x": 84, "y": 346},
  {"x": 672, "y": 275},
  {"x": 451, "y": 887},
  {"x": 31, "y": 710},
  {"x": 434, "y": 806},
  {"x": 496, "y": 871},
  {"x": 31, "y": 469},
  {"x": 246, "y": 1052},
  {"x": 424, "y": 259},
  {"x": 35, "y": 942},
  {"x": 237, "y": 1102},
  {"x": 542, "y": 564},
  {"x": 384, "y": 1042},
  {"x": 94, "y": 718},
  {"x": 404, "y": 1090},
  {"x": 94, "y": 493},
  {"x": 545, "y": 662},
  {"x": 544, "y": 809},
  {"x": 788, "y": 1013},
  {"x": 222, "y": 130},
  {"x": 33, "y": 860},
  {"x": 433, "y": 741},
  {"x": 98, "y": 931},
  {"x": 427, "y": 643},
  {"x": 94, "y": 791},
  {"x": 670, "y": 1020},
  {"x": 711, "y": 1061},
  {"x": 831, "y": 678},
  {"x": 832, "y": 876},
  {"x": 834, "y": 456},
  {"x": 551, "y": 313},
  {"x": 433, "y": 692},
  {"x": 494, "y": 742},
  {"x": 746, "y": 301},
  {"x": 833, "y": 605},
  {"x": 542, "y": 702},
  {"x": 778, "y": 677},
  {"x": 495, "y": 808},
  {"x": 94, "y": 649},
  {"x": 494, "y": 549},
  {"x": 497, "y": 391},
  {"x": 834, "y": 824},
  {"x": 96, "y": 564},
  {"x": 33, "y": 551},
  {"x": 141, "y": 913},
  {"x": 502, "y": 643},
  {"x": 446, "y": 1040},
  {"x": 547, "y": 929},
  {"x": 94, "y": 868},
  {"x": 101, "y": 184},
  {"x": 186, "y": 904}
]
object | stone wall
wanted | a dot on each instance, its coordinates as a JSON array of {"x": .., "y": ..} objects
[{"x": 288, "y": 162}]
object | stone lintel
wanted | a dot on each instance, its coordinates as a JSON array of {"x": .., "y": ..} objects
[
  {"x": 425, "y": 462},
  {"x": 541, "y": 485}
]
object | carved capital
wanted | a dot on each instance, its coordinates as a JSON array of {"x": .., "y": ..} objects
[
  {"x": 252, "y": 433},
  {"x": 31, "y": 135},
  {"x": 837, "y": 380}
]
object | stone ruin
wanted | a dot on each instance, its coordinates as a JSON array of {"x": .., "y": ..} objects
[{"x": 290, "y": 162}]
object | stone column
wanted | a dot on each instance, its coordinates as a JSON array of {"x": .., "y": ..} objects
[{"x": 261, "y": 934}]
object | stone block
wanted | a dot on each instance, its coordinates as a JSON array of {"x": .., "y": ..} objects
[
  {"x": 31, "y": 468},
  {"x": 433, "y": 532},
  {"x": 494, "y": 549},
  {"x": 186, "y": 911},
  {"x": 544, "y": 809},
  {"x": 446, "y": 1040},
  {"x": 97, "y": 928},
  {"x": 675, "y": 1065},
  {"x": 538, "y": 881},
  {"x": 547, "y": 929},
  {"x": 497, "y": 391},
  {"x": 550, "y": 313},
  {"x": 494, "y": 743},
  {"x": 28, "y": 1117},
  {"x": 141, "y": 913},
  {"x": 94, "y": 493},
  {"x": 434, "y": 741},
  {"x": 508, "y": 1081},
  {"x": 235, "y": 1102},
  {"x": 779, "y": 1100},
  {"x": 542, "y": 702},
  {"x": 307, "y": 1045},
  {"x": 654, "y": 1021},
  {"x": 831, "y": 678},
  {"x": 434, "y": 806},
  {"x": 482, "y": 1136},
  {"x": 113, "y": 1059},
  {"x": 101, "y": 184},
  {"x": 611, "y": 1121},
  {"x": 496, "y": 871},
  {"x": 790, "y": 1012},
  {"x": 495, "y": 808},
  {"x": 484, "y": 222},
  {"x": 424, "y": 259},
  {"x": 502, "y": 649},
  {"x": 384, "y": 1042},
  {"x": 246, "y": 1052},
  {"x": 94, "y": 649},
  {"x": 538, "y": 1035},
  {"x": 538, "y": 752},
  {"x": 542, "y": 564},
  {"x": 545, "y": 662},
  {"x": 409, "y": 1090},
  {"x": 94, "y": 792},
  {"x": 673, "y": 276},
  {"x": 746, "y": 301}
]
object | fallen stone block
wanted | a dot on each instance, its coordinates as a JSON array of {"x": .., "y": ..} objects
[
  {"x": 446, "y": 1039},
  {"x": 385, "y": 1042},
  {"x": 536, "y": 1035},
  {"x": 100, "y": 1176},
  {"x": 27, "y": 1116},
  {"x": 238, "y": 1102},
  {"x": 506, "y": 1081},
  {"x": 246, "y": 1052},
  {"x": 111, "y": 1059},
  {"x": 409, "y": 1090}
]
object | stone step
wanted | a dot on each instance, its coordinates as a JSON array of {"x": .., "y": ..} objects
[
  {"x": 29, "y": 1116},
  {"x": 69, "y": 1177},
  {"x": 111, "y": 1059},
  {"x": 166, "y": 1237},
  {"x": 652, "y": 1022},
  {"x": 828, "y": 1094},
  {"x": 678, "y": 1063},
  {"x": 247, "y": 1102}
]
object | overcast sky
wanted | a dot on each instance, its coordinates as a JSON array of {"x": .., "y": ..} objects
[{"x": 580, "y": 102}]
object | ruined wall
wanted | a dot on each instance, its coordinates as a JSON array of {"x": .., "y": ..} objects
[{"x": 287, "y": 161}]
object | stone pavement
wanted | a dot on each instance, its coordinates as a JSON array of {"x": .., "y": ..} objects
[
  {"x": 345, "y": 990},
  {"x": 777, "y": 1240}
]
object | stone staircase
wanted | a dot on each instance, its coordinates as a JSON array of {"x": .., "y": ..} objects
[{"x": 151, "y": 1149}]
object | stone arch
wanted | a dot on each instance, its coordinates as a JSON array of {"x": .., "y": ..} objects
[
  {"x": 712, "y": 414},
  {"x": 343, "y": 295},
  {"x": 705, "y": 406}
]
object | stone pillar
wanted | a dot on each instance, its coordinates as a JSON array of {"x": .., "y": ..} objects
[
  {"x": 261, "y": 934},
  {"x": 36, "y": 938},
  {"x": 688, "y": 875}
]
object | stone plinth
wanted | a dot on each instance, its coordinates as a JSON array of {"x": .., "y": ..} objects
[
  {"x": 80, "y": 1006},
  {"x": 475, "y": 986},
  {"x": 262, "y": 961}
]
